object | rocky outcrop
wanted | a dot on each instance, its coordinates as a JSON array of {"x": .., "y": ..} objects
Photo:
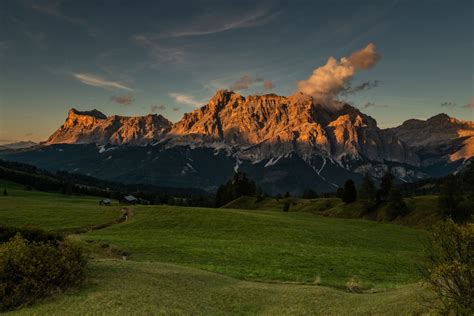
[
  {"x": 95, "y": 127},
  {"x": 439, "y": 138},
  {"x": 269, "y": 126}
]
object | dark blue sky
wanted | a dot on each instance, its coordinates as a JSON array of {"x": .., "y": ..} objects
[{"x": 137, "y": 57}]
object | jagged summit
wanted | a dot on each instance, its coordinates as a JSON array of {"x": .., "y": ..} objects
[
  {"x": 275, "y": 125},
  {"x": 443, "y": 136},
  {"x": 94, "y": 113},
  {"x": 286, "y": 143},
  {"x": 83, "y": 127}
]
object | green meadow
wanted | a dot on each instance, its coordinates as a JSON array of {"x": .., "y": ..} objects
[{"x": 183, "y": 260}]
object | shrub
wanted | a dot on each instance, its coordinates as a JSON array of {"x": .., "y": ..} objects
[
  {"x": 32, "y": 270},
  {"x": 28, "y": 233},
  {"x": 450, "y": 266},
  {"x": 354, "y": 285}
]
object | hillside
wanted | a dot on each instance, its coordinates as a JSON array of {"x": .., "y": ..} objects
[
  {"x": 422, "y": 210},
  {"x": 219, "y": 253}
]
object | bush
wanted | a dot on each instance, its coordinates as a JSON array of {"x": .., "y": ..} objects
[
  {"x": 28, "y": 233},
  {"x": 354, "y": 285},
  {"x": 450, "y": 267},
  {"x": 32, "y": 270}
]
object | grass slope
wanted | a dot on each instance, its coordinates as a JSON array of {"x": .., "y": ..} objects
[
  {"x": 270, "y": 246},
  {"x": 51, "y": 211},
  {"x": 143, "y": 288},
  {"x": 423, "y": 210},
  {"x": 206, "y": 261}
]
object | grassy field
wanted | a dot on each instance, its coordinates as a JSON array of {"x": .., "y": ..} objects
[
  {"x": 51, "y": 211},
  {"x": 270, "y": 246},
  {"x": 227, "y": 261},
  {"x": 118, "y": 287}
]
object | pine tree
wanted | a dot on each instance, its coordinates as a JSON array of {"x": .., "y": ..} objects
[
  {"x": 385, "y": 186},
  {"x": 368, "y": 193},
  {"x": 350, "y": 193},
  {"x": 310, "y": 194},
  {"x": 396, "y": 205}
]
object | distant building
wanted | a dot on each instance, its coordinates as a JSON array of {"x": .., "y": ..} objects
[
  {"x": 130, "y": 199},
  {"x": 105, "y": 202}
]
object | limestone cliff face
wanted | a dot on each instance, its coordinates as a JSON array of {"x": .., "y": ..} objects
[
  {"x": 440, "y": 136},
  {"x": 270, "y": 125},
  {"x": 94, "y": 127}
]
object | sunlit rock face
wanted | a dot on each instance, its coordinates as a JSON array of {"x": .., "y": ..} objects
[
  {"x": 284, "y": 143},
  {"x": 439, "y": 138},
  {"x": 94, "y": 127},
  {"x": 270, "y": 125}
]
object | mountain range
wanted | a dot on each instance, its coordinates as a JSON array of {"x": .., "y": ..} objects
[{"x": 284, "y": 143}]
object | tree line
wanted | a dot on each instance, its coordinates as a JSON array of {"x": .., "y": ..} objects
[{"x": 76, "y": 184}]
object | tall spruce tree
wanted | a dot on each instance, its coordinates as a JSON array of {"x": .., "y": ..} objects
[
  {"x": 386, "y": 184},
  {"x": 368, "y": 193},
  {"x": 396, "y": 205},
  {"x": 350, "y": 192}
]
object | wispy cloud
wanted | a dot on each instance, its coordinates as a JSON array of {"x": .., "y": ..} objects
[
  {"x": 448, "y": 104},
  {"x": 246, "y": 82},
  {"x": 470, "y": 105},
  {"x": 53, "y": 8},
  {"x": 185, "y": 99},
  {"x": 367, "y": 85},
  {"x": 217, "y": 23},
  {"x": 268, "y": 85},
  {"x": 96, "y": 81},
  {"x": 157, "y": 108},
  {"x": 369, "y": 105},
  {"x": 123, "y": 99},
  {"x": 242, "y": 83},
  {"x": 158, "y": 52}
]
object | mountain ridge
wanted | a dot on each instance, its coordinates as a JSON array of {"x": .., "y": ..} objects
[{"x": 286, "y": 143}]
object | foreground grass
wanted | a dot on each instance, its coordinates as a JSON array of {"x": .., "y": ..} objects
[
  {"x": 270, "y": 246},
  {"x": 140, "y": 288},
  {"x": 206, "y": 261},
  {"x": 51, "y": 211}
]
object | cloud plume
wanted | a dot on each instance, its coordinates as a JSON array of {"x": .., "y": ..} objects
[
  {"x": 328, "y": 81},
  {"x": 95, "y": 81}
]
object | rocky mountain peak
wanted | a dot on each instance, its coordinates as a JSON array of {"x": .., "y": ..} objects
[
  {"x": 269, "y": 125},
  {"x": 93, "y": 113},
  {"x": 82, "y": 127}
]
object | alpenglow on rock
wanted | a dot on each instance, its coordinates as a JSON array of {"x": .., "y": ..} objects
[
  {"x": 259, "y": 127},
  {"x": 285, "y": 143},
  {"x": 95, "y": 127}
]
